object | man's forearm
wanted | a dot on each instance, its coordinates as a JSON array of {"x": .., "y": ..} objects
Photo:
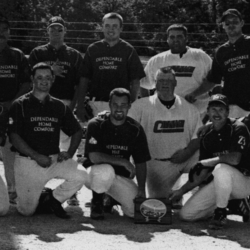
[
  {"x": 22, "y": 146},
  {"x": 134, "y": 89},
  {"x": 232, "y": 158},
  {"x": 203, "y": 88},
  {"x": 141, "y": 174},
  {"x": 74, "y": 142},
  {"x": 81, "y": 92}
]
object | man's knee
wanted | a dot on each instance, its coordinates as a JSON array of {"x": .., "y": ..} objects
[
  {"x": 101, "y": 177},
  {"x": 221, "y": 171},
  {"x": 186, "y": 214},
  {"x": 25, "y": 211},
  {"x": 4, "y": 209}
]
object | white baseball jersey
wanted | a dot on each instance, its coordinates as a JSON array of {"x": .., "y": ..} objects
[
  {"x": 167, "y": 131},
  {"x": 191, "y": 68}
]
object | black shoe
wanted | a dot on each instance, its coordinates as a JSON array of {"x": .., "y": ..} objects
[
  {"x": 96, "y": 211},
  {"x": 108, "y": 203},
  {"x": 219, "y": 219},
  {"x": 57, "y": 209}
]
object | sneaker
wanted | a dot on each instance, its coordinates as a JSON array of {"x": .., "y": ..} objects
[
  {"x": 108, "y": 203},
  {"x": 57, "y": 209},
  {"x": 73, "y": 201},
  {"x": 96, "y": 211},
  {"x": 219, "y": 219}
]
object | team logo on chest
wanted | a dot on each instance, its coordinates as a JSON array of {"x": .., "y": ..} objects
[{"x": 175, "y": 126}]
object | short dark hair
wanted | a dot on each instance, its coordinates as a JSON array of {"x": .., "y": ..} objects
[
  {"x": 120, "y": 92},
  {"x": 178, "y": 27},
  {"x": 165, "y": 70},
  {"x": 41, "y": 65},
  {"x": 113, "y": 15}
]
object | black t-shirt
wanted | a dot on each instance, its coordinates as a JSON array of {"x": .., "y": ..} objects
[
  {"x": 111, "y": 67},
  {"x": 67, "y": 57},
  {"x": 122, "y": 141},
  {"x": 232, "y": 64},
  {"x": 39, "y": 123},
  {"x": 14, "y": 71},
  {"x": 233, "y": 137}
]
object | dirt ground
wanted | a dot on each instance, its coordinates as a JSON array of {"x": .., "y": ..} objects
[{"x": 47, "y": 232}]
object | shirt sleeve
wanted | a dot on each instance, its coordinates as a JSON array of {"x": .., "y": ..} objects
[
  {"x": 148, "y": 82},
  {"x": 240, "y": 139},
  {"x": 141, "y": 151},
  {"x": 87, "y": 71},
  {"x": 135, "y": 68},
  {"x": 93, "y": 138},
  {"x": 70, "y": 125},
  {"x": 16, "y": 119},
  {"x": 33, "y": 59},
  {"x": 215, "y": 74},
  {"x": 78, "y": 67},
  {"x": 25, "y": 76}
]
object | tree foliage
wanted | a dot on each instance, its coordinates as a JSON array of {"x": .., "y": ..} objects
[{"x": 150, "y": 18}]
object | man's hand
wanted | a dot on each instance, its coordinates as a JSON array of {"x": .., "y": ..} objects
[
  {"x": 43, "y": 160},
  {"x": 63, "y": 156},
  {"x": 141, "y": 193},
  {"x": 190, "y": 98},
  {"x": 202, "y": 130},
  {"x": 195, "y": 170},
  {"x": 57, "y": 69},
  {"x": 175, "y": 195}
]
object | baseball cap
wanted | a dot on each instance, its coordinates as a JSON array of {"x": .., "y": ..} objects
[
  {"x": 219, "y": 98},
  {"x": 56, "y": 20},
  {"x": 232, "y": 12},
  {"x": 4, "y": 20}
]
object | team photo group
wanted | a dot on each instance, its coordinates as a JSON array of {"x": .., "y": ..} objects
[{"x": 141, "y": 129}]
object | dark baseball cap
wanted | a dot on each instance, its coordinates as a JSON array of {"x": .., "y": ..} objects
[
  {"x": 218, "y": 98},
  {"x": 232, "y": 12},
  {"x": 4, "y": 20},
  {"x": 56, "y": 20}
]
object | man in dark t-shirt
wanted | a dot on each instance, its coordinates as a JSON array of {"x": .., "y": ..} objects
[
  {"x": 35, "y": 123},
  {"x": 111, "y": 140}
]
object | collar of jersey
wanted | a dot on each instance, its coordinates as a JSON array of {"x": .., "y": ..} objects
[
  {"x": 35, "y": 100},
  {"x": 63, "y": 47}
]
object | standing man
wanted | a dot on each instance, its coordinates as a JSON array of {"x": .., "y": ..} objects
[
  {"x": 14, "y": 82},
  {"x": 65, "y": 61},
  {"x": 224, "y": 161},
  {"x": 232, "y": 65},
  {"x": 35, "y": 123},
  {"x": 171, "y": 125},
  {"x": 108, "y": 64},
  {"x": 191, "y": 65},
  {"x": 111, "y": 140}
]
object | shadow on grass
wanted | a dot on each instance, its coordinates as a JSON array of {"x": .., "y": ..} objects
[
  {"x": 234, "y": 231},
  {"x": 47, "y": 228}
]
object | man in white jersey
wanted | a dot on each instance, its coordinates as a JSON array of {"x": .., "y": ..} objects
[
  {"x": 191, "y": 65},
  {"x": 171, "y": 125}
]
